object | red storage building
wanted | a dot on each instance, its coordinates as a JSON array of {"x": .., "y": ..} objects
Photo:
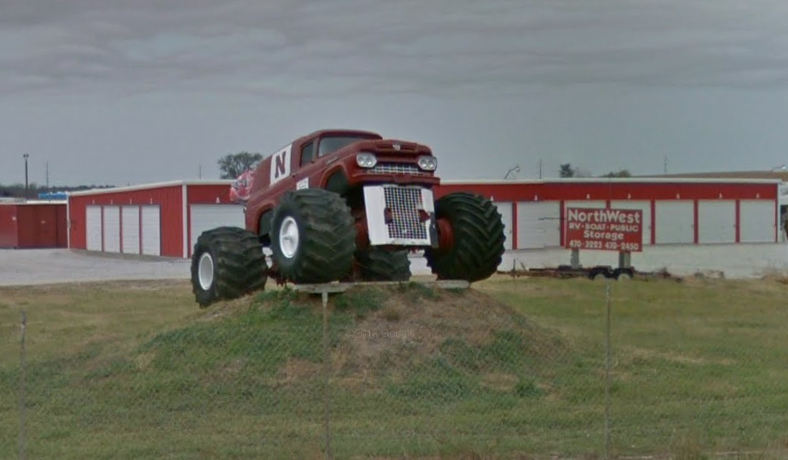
[
  {"x": 155, "y": 219},
  {"x": 165, "y": 219},
  {"x": 675, "y": 211},
  {"x": 32, "y": 224}
]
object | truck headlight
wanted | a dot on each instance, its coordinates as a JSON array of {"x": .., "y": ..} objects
[
  {"x": 428, "y": 163},
  {"x": 366, "y": 160}
]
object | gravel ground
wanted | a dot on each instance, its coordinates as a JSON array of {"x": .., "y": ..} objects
[{"x": 45, "y": 266}]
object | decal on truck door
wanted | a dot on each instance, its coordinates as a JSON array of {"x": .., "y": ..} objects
[{"x": 280, "y": 165}]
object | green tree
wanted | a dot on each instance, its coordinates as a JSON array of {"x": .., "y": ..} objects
[
  {"x": 566, "y": 170},
  {"x": 234, "y": 164},
  {"x": 619, "y": 173}
]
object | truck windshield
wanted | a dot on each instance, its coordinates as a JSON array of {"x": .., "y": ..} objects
[{"x": 329, "y": 145}]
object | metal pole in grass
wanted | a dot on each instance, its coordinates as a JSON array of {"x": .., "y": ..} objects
[
  {"x": 22, "y": 434},
  {"x": 607, "y": 370},
  {"x": 327, "y": 370}
]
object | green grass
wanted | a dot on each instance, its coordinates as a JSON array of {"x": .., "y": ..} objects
[
  {"x": 115, "y": 371},
  {"x": 700, "y": 359}
]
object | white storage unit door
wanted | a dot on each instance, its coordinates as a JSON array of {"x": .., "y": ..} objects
[
  {"x": 674, "y": 222},
  {"x": 112, "y": 229},
  {"x": 131, "y": 229},
  {"x": 209, "y": 216},
  {"x": 757, "y": 219},
  {"x": 645, "y": 207},
  {"x": 93, "y": 239},
  {"x": 538, "y": 224},
  {"x": 151, "y": 230},
  {"x": 506, "y": 217},
  {"x": 716, "y": 221}
]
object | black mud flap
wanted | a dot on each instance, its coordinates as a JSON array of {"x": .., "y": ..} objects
[{"x": 434, "y": 241}]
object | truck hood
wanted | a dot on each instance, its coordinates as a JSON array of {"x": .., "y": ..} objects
[{"x": 388, "y": 146}]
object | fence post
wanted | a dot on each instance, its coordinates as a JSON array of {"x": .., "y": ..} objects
[
  {"x": 22, "y": 404},
  {"x": 327, "y": 370},
  {"x": 607, "y": 370}
]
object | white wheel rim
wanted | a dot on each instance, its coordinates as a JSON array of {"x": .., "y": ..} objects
[
  {"x": 206, "y": 271},
  {"x": 288, "y": 237}
]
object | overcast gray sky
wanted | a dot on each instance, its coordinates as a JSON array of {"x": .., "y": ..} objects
[{"x": 135, "y": 91}]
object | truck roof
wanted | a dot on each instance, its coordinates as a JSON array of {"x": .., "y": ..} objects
[{"x": 341, "y": 132}]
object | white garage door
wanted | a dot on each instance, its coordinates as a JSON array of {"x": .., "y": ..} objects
[
  {"x": 131, "y": 229},
  {"x": 506, "y": 217},
  {"x": 93, "y": 228},
  {"x": 757, "y": 221},
  {"x": 538, "y": 225},
  {"x": 675, "y": 222},
  {"x": 645, "y": 207},
  {"x": 111, "y": 229},
  {"x": 151, "y": 230},
  {"x": 716, "y": 221},
  {"x": 209, "y": 216}
]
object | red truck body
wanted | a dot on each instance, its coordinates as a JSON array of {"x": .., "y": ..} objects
[{"x": 327, "y": 159}]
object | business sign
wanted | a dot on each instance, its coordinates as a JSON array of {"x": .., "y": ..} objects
[{"x": 604, "y": 229}]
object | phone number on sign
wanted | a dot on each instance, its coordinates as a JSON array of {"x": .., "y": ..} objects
[{"x": 608, "y": 245}]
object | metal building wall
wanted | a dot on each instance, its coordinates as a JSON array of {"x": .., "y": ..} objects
[
  {"x": 168, "y": 197},
  {"x": 692, "y": 200},
  {"x": 62, "y": 226},
  {"x": 8, "y": 224},
  {"x": 32, "y": 225}
]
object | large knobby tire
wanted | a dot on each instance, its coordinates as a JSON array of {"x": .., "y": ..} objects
[
  {"x": 478, "y": 238},
  {"x": 376, "y": 264},
  {"x": 227, "y": 263},
  {"x": 313, "y": 237}
]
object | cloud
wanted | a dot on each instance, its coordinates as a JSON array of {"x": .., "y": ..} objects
[{"x": 338, "y": 47}]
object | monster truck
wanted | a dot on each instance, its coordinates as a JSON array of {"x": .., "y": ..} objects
[{"x": 346, "y": 205}]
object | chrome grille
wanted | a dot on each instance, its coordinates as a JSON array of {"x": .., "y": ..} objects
[
  {"x": 404, "y": 204},
  {"x": 397, "y": 168}
]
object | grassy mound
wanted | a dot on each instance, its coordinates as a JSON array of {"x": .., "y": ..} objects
[{"x": 410, "y": 340}]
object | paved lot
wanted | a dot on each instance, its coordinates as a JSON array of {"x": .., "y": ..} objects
[
  {"x": 28, "y": 267},
  {"x": 735, "y": 261},
  {"x": 44, "y": 266}
]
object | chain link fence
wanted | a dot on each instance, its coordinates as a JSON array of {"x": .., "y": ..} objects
[{"x": 400, "y": 372}]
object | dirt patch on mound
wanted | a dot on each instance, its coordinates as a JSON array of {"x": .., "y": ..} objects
[{"x": 413, "y": 326}]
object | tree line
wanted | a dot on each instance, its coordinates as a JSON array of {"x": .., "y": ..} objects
[{"x": 567, "y": 170}]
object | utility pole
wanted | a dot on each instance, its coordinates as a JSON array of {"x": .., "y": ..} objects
[
  {"x": 200, "y": 173},
  {"x": 47, "y": 176},
  {"x": 26, "y": 156},
  {"x": 666, "y": 164},
  {"x": 540, "y": 168}
]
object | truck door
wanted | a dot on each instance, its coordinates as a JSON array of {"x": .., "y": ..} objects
[{"x": 303, "y": 160}]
